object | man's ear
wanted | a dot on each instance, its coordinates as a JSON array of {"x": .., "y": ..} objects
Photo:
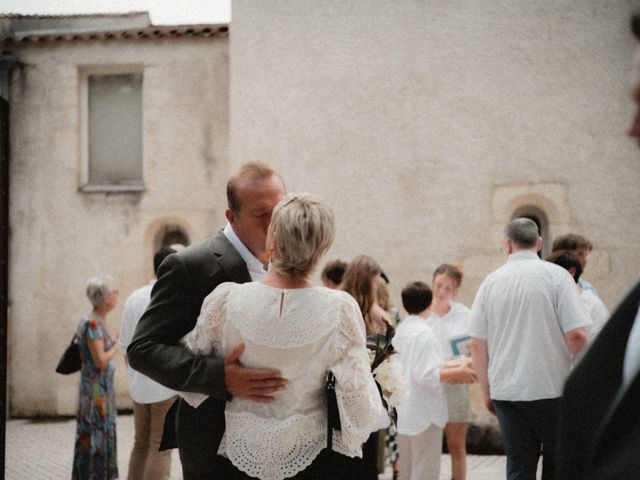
[
  {"x": 228, "y": 213},
  {"x": 271, "y": 242},
  {"x": 507, "y": 246},
  {"x": 539, "y": 244}
]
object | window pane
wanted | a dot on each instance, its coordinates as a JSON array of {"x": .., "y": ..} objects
[{"x": 115, "y": 129}]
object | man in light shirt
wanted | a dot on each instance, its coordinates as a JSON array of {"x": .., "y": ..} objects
[
  {"x": 579, "y": 246},
  {"x": 596, "y": 309},
  {"x": 527, "y": 326},
  {"x": 150, "y": 399}
]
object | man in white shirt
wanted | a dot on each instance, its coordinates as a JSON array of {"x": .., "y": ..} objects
[
  {"x": 598, "y": 313},
  {"x": 150, "y": 399},
  {"x": 423, "y": 416},
  {"x": 527, "y": 326},
  {"x": 579, "y": 246}
]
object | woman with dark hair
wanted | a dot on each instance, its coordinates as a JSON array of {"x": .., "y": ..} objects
[
  {"x": 95, "y": 455},
  {"x": 360, "y": 280}
]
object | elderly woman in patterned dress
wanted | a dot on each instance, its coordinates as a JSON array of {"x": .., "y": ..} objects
[{"x": 95, "y": 456}]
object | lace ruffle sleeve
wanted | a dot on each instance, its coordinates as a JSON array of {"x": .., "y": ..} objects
[
  {"x": 206, "y": 337},
  {"x": 358, "y": 398}
]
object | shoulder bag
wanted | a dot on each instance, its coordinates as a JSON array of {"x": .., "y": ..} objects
[{"x": 70, "y": 361}]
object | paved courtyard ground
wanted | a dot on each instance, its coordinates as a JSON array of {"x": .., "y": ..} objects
[{"x": 43, "y": 450}]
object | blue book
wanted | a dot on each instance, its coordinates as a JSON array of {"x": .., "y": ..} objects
[{"x": 460, "y": 346}]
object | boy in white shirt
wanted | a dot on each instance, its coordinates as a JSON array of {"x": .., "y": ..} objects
[{"x": 423, "y": 416}]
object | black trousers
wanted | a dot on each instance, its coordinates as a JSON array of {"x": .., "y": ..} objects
[{"x": 529, "y": 428}]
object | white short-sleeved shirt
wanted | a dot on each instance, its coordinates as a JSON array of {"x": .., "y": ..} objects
[
  {"x": 303, "y": 333},
  {"x": 597, "y": 311},
  {"x": 141, "y": 388},
  {"x": 454, "y": 324},
  {"x": 523, "y": 310},
  {"x": 421, "y": 356}
]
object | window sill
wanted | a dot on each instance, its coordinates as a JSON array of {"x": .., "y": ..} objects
[{"x": 112, "y": 188}]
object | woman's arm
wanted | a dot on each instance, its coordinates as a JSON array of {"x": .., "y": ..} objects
[
  {"x": 379, "y": 318},
  {"x": 100, "y": 356},
  {"x": 358, "y": 399}
]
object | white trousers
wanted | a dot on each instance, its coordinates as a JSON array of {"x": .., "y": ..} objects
[{"x": 420, "y": 454}]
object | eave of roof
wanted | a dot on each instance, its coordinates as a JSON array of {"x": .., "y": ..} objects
[
  {"x": 153, "y": 32},
  {"x": 102, "y": 33}
]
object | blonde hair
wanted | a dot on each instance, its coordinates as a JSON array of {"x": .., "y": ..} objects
[{"x": 303, "y": 227}]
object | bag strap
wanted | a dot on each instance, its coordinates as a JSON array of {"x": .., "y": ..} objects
[{"x": 331, "y": 392}]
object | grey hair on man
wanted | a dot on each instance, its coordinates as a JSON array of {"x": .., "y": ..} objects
[
  {"x": 98, "y": 288},
  {"x": 523, "y": 232}
]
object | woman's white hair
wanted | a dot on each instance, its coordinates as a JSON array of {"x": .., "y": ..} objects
[
  {"x": 98, "y": 288},
  {"x": 303, "y": 227}
]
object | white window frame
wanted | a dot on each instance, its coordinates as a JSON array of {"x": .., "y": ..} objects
[{"x": 84, "y": 73}]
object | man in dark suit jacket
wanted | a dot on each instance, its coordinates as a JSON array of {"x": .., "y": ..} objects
[
  {"x": 599, "y": 431},
  {"x": 184, "y": 280}
]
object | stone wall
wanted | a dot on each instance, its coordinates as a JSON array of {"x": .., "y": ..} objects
[
  {"x": 429, "y": 124},
  {"x": 61, "y": 236}
]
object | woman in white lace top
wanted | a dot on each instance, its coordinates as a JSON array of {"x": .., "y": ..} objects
[{"x": 303, "y": 331}]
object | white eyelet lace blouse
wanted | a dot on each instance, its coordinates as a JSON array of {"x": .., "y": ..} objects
[{"x": 303, "y": 333}]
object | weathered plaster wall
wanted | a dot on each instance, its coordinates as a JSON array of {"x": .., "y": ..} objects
[
  {"x": 427, "y": 124},
  {"x": 61, "y": 236}
]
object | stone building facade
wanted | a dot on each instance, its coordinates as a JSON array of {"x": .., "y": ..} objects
[
  {"x": 430, "y": 124},
  {"x": 426, "y": 124},
  {"x": 78, "y": 211}
]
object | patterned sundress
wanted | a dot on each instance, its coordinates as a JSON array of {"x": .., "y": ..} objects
[{"x": 95, "y": 456}]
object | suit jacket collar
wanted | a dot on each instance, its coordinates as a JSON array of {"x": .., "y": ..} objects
[
  {"x": 230, "y": 260},
  {"x": 622, "y": 413}
]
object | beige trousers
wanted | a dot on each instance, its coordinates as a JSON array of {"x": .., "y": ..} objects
[
  {"x": 420, "y": 454},
  {"x": 146, "y": 462}
]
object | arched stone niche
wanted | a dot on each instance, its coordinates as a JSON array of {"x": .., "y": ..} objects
[
  {"x": 546, "y": 203},
  {"x": 166, "y": 231},
  {"x": 540, "y": 218},
  {"x": 171, "y": 235}
]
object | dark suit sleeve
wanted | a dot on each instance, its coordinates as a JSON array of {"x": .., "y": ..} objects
[
  {"x": 155, "y": 350},
  {"x": 588, "y": 395}
]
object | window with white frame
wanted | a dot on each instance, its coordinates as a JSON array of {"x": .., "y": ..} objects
[{"x": 112, "y": 131}]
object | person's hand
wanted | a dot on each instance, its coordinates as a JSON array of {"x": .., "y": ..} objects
[
  {"x": 489, "y": 404},
  {"x": 252, "y": 383},
  {"x": 466, "y": 374}
]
